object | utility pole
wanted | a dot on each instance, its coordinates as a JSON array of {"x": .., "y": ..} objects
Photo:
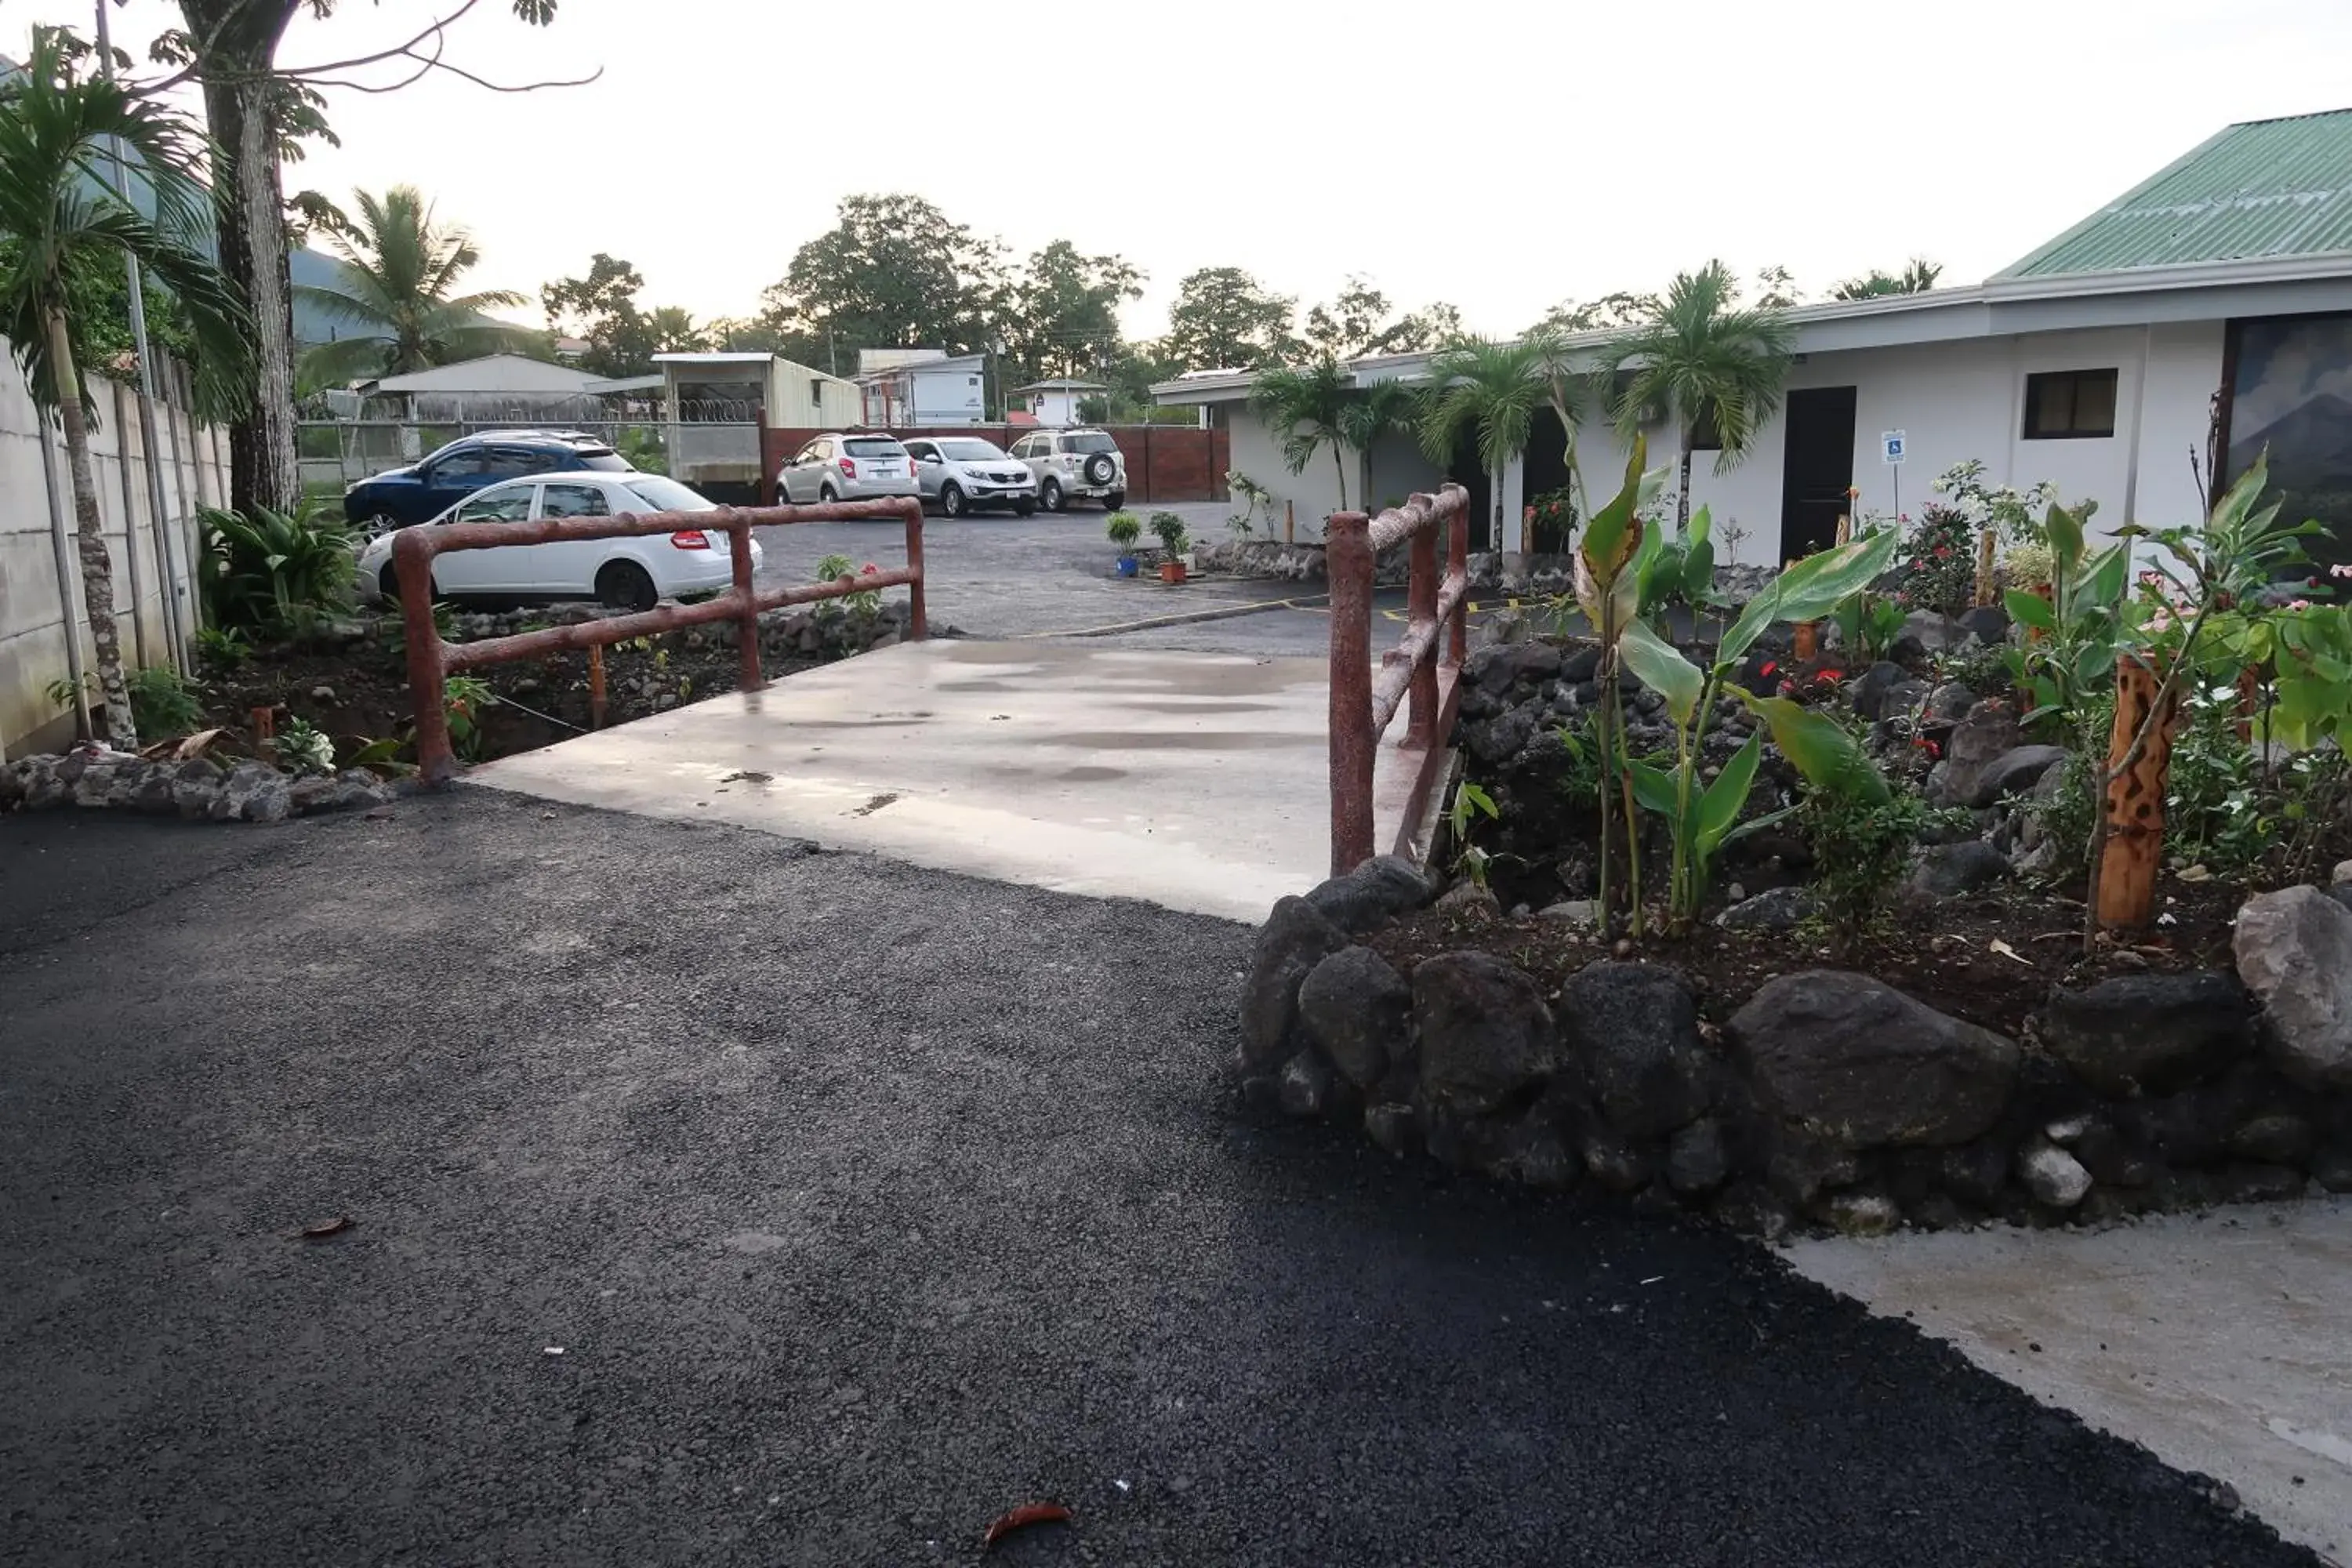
[{"x": 155, "y": 505}]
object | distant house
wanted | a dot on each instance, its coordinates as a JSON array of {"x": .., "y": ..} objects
[
  {"x": 494, "y": 387},
  {"x": 716, "y": 400},
  {"x": 902, "y": 388},
  {"x": 2214, "y": 299},
  {"x": 1055, "y": 402}
]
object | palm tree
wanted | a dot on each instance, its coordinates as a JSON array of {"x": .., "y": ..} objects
[
  {"x": 1373, "y": 412},
  {"x": 58, "y": 137},
  {"x": 1701, "y": 359},
  {"x": 1496, "y": 389},
  {"x": 1306, "y": 410},
  {"x": 399, "y": 267},
  {"x": 1917, "y": 277}
]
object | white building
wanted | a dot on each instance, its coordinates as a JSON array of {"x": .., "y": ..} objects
[
  {"x": 2214, "y": 299},
  {"x": 909, "y": 388},
  {"x": 715, "y": 402},
  {"x": 1056, "y": 401}
]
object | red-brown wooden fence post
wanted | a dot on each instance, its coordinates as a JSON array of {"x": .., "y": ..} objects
[
  {"x": 1347, "y": 562},
  {"x": 919, "y": 624},
  {"x": 1457, "y": 559},
  {"x": 1420, "y": 609},
  {"x": 750, "y": 677},
  {"x": 413, "y": 564}
]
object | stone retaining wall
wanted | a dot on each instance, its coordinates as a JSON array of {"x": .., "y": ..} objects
[{"x": 1827, "y": 1099}]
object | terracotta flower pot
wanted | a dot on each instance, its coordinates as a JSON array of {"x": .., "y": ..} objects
[{"x": 1171, "y": 572}]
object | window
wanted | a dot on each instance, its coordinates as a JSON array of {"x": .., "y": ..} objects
[
  {"x": 470, "y": 464},
  {"x": 816, "y": 395},
  {"x": 573, "y": 500},
  {"x": 512, "y": 462},
  {"x": 2062, "y": 405},
  {"x": 666, "y": 494},
  {"x": 1089, "y": 441},
  {"x": 503, "y": 503},
  {"x": 921, "y": 451},
  {"x": 873, "y": 447}
]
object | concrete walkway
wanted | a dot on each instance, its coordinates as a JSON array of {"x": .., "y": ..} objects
[
  {"x": 1196, "y": 781},
  {"x": 2220, "y": 1340}
]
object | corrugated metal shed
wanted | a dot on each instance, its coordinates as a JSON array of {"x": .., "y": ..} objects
[{"x": 2264, "y": 188}]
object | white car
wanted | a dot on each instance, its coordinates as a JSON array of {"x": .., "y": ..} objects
[
  {"x": 629, "y": 573},
  {"x": 847, "y": 468},
  {"x": 963, "y": 473},
  {"x": 1070, "y": 463}
]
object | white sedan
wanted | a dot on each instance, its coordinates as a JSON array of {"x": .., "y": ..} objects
[{"x": 622, "y": 573}]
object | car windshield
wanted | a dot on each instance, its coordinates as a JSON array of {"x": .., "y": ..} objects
[
  {"x": 604, "y": 459},
  {"x": 1092, "y": 441},
  {"x": 666, "y": 494},
  {"x": 973, "y": 451},
  {"x": 873, "y": 447}
]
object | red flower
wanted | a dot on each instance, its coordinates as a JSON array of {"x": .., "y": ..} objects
[
  {"x": 1942, "y": 550},
  {"x": 868, "y": 570},
  {"x": 1831, "y": 675},
  {"x": 1768, "y": 667}
]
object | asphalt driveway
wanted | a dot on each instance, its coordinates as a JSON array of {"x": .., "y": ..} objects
[{"x": 714, "y": 1202}]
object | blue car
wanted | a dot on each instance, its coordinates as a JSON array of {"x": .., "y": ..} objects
[{"x": 400, "y": 498}]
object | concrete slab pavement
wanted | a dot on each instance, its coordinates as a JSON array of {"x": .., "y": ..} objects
[
  {"x": 2217, "y": 1341},
  {"x": 1196, "y": 781}
]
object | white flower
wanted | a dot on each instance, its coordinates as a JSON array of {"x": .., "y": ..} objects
[{"x": 2167, "y": 919}]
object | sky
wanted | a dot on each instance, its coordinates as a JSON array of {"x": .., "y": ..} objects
[{"x": 1501, "y": 157}]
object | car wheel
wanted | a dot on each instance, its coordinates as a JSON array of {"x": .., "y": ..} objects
[
  {"x": 387, "y": 584},
  {"x": 1113, "y": 501},
  {"x": 1049, "y": 495},
  {"x": 1025, "y": 506},
  {"x": 827, "y": 495},
  {"x": 951, "y": 501},
  {"x": 625, "y": 585}
]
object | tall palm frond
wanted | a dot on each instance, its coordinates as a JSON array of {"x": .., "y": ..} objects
[
  {"x": 1701, "y": 358},
  {"x": 60, "y": 209},
  {"x": 1306, "y": 410},
  {"x": 399, "y": 268}
]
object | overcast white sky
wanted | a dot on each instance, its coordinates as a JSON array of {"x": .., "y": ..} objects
[{"x": 1502, "y": 156}]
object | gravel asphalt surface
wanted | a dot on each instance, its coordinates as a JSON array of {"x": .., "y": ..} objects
[{"x": 862, "y": 1204}]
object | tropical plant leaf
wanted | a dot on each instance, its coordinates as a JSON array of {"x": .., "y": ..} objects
[
  {"x": 2031, "y": 609},
  {"x": 1614, "y": 534},
  {"x": 1819, "y": 748},
  {"x": 1719, "y": 808},
  {"x": 1660, "y": 666},
  {"x": 1810, "y": 590},
  {"x": 1654, "y": 787}
]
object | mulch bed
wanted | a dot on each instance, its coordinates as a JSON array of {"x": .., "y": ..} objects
[{"x": 1941, "y": 954}]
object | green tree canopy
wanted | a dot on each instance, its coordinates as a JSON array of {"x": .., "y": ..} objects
[
  {"x": 892, "y": 272},
  {"x": 1359, "y": 323},
  {"x": 400, "y": 269},
  {"x": 1919, "y": 276},
  {"x": 1061, "y": 313},
  {"x": 601, "y": 308},
  {"x": 1224, "y": 317}
]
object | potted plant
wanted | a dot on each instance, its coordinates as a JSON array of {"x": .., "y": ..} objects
[
  {"x": 1172, "y": 545},
  {"x": 1125, "y": 529}
]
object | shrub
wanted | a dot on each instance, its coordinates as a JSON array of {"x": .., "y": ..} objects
[
  {"x": 162, "y": 704},
  {"x": 1939, "y": 562},
  {"x": 1170, "y": 528},
  {"x": 280, "y": 573},
  {"x": 1862, "y": 850},
  {"x": 1125, "y": 527},
  {"x": 302, "y": 748}
]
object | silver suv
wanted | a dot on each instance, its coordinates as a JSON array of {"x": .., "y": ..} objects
[
  {"x": 963, "y": 473},
  {"x": 846, "y": 467},
  {"x": 1071, "y": 463}
]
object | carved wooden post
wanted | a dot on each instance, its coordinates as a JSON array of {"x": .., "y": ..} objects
[
  {"x": 1846, "y": 528},
  {"x": 2249, "y": 702},
  {"x": 2135, "y": 803},
  {"x": 1984, "y": 568}
]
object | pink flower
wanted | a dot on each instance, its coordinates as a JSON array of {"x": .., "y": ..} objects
[
  {"x": 868, "y": 570},
  {"x": 2158, "y": 624},
  {"x": 2299, "y": 603},
  {"x": 2342, "y": 569}
]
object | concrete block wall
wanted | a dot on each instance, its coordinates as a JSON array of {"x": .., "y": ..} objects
[{"x": 38, "y": 614}]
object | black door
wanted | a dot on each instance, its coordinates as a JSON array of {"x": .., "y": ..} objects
[{"x": 1819, "y": 469}]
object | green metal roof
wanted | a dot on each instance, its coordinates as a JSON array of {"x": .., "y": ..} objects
[{"x": 2265, "y": 188}]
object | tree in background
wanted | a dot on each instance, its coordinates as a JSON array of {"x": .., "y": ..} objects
[
  {"x": 601, "y": 308},
  {"x": 1610, "y": 310},
  {"x": 1776, "y": 290},
  {"x": 399, "y": 268},
  {"x": 63, "y": 222},
  {"x": 1700, "y": 358},
  {"x": 1060, "y": 316},
  {"x": 1919, "y": 276},
  {"x": 1357, "y": 323},
  {"x": 1223, "y": 319},
  {"x": 892, "y": 272},
  {"x": 253, "y": 106}
]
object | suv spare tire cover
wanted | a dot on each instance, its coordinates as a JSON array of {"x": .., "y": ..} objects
[{"x": 1099, "y": 469}]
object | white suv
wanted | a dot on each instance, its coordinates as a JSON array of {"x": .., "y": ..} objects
[{"x": 1072, "y": 463}]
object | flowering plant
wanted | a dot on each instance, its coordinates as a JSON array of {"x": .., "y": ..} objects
[
  {"x": 1937, "y": 567},
  {"x": 2015, "y": 515}
]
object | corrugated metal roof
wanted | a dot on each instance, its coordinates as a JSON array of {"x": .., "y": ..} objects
[{"x": 2264, "y": 188}]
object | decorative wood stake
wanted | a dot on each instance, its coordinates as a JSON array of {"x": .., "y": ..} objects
[
  {"x": 2134, "y": 851},
  {"x": 1984, "y": 568}
]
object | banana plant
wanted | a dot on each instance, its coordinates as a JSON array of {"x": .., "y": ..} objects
[
  {"x": 1702, "y": 820},
  {"x": 1609, "y": 591},
  {"x": 2080, "y": 623},
  {"x": 1678, "y": 569}
]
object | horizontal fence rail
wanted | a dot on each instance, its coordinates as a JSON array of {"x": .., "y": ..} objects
[
  {"x": 1417, "y": 669},
  {"x": 432, "y": 661}
]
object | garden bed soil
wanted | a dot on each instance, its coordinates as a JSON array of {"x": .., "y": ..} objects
[{"x": 1942, "y": 956}]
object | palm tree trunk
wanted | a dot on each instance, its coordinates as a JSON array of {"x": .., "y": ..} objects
[
  {"x": 263, "y": 469},
  {"x": 89, "y": 537},
  {"x": 1495, "y": 541},
  {"x": 1682, "y": 500},
  {"x": 1339, "y": 461}
]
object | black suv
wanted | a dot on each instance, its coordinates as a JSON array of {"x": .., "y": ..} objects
[{"x": 400, "y": 497}]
